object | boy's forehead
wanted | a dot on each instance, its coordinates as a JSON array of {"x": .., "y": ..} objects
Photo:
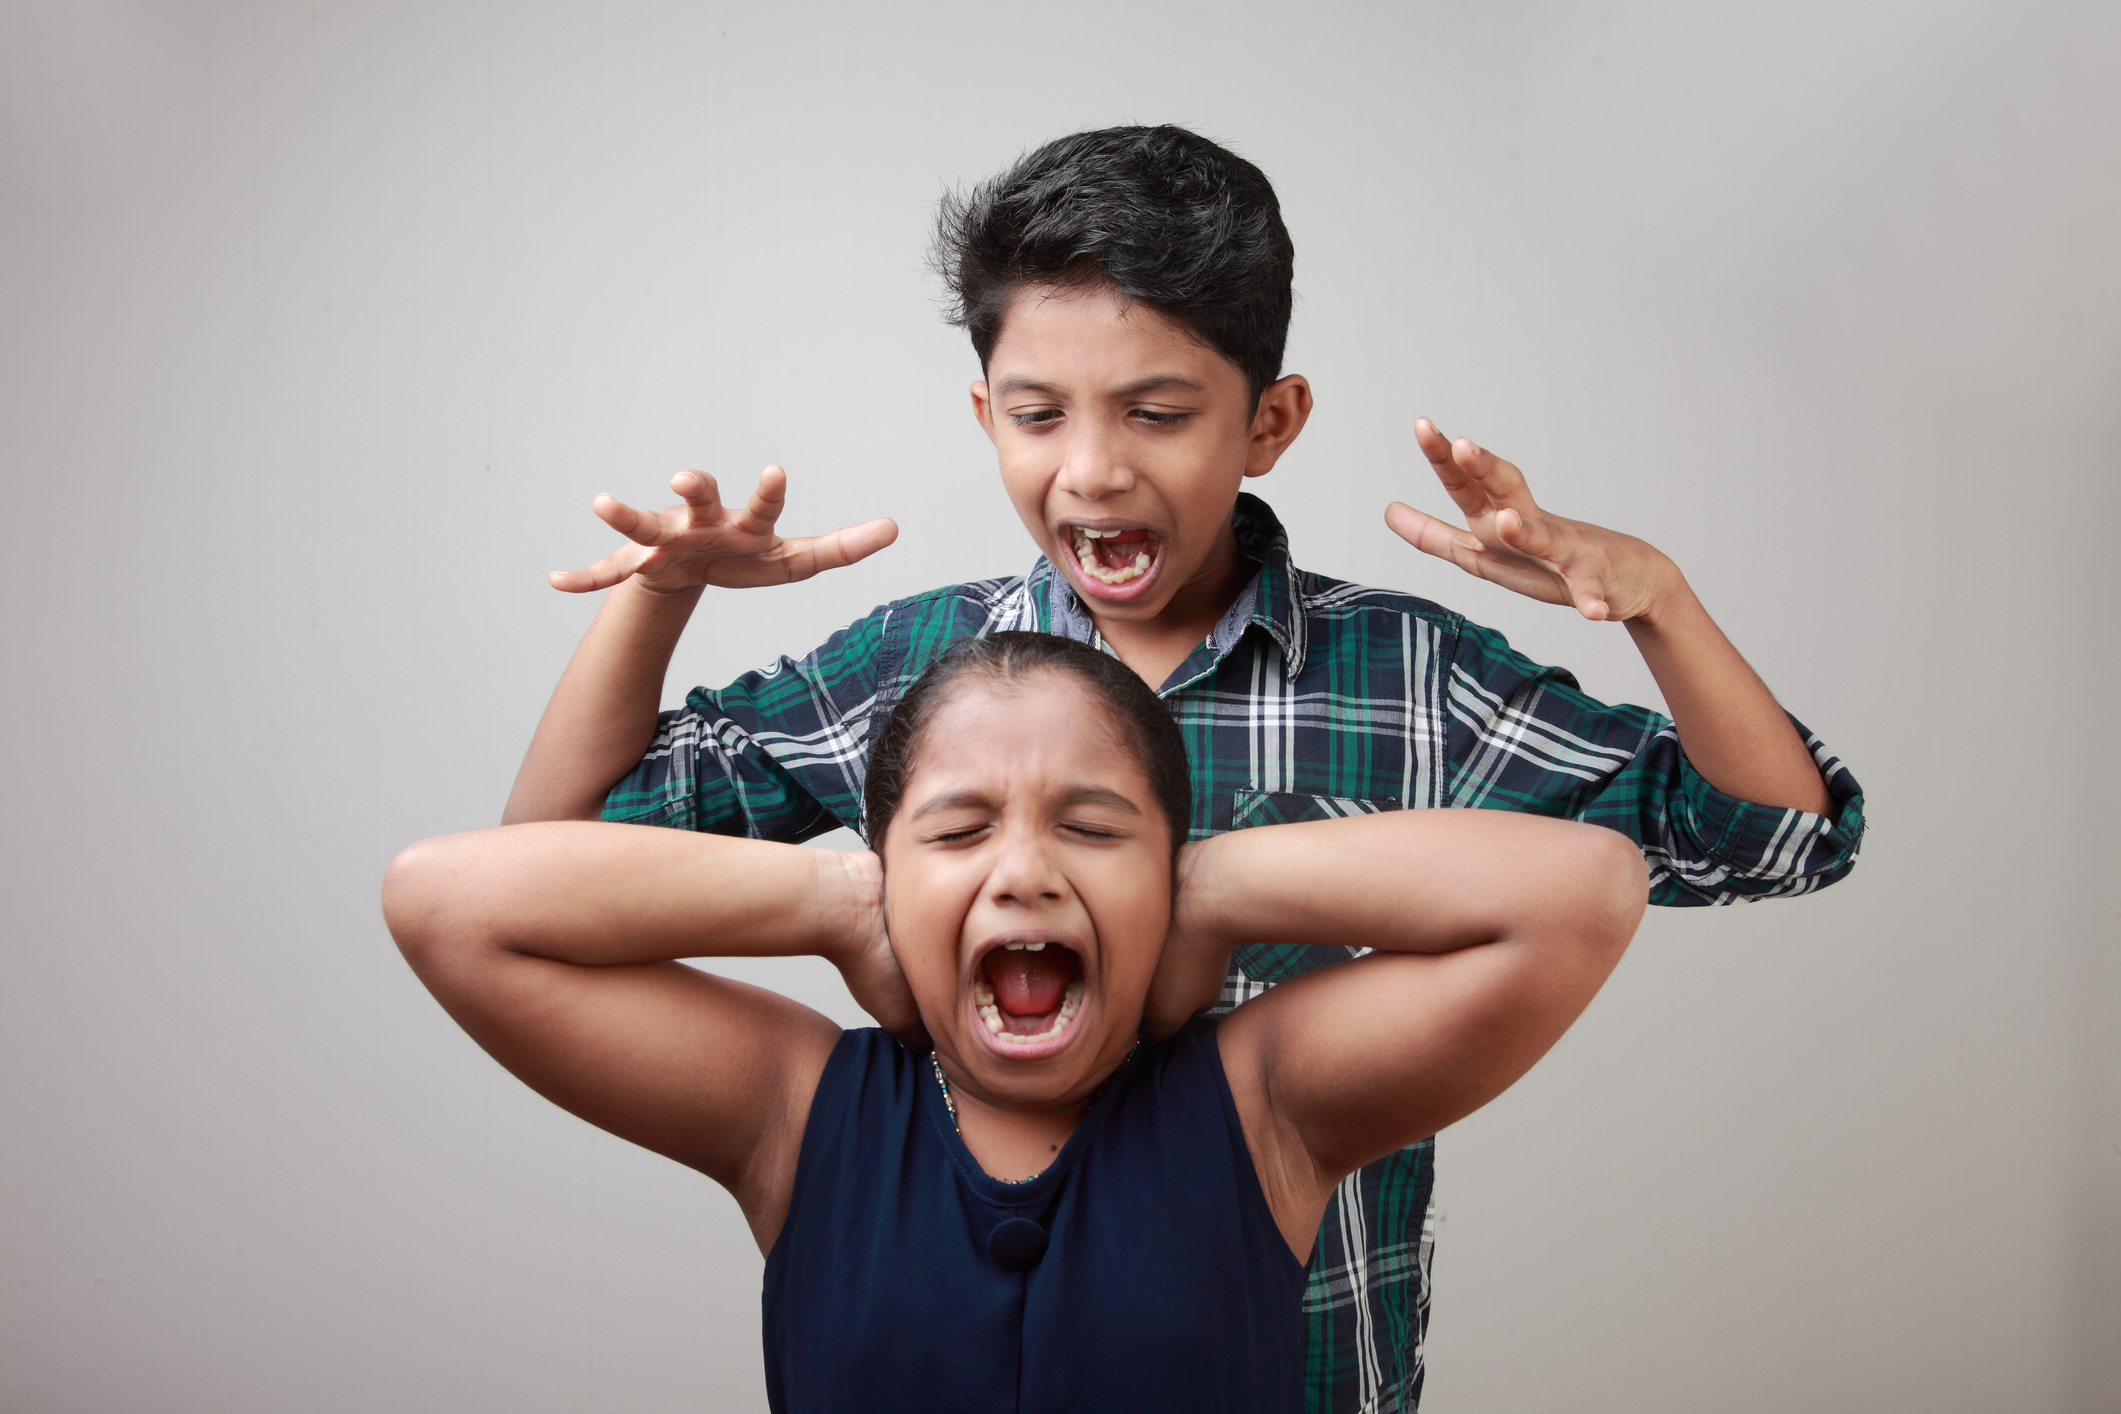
[{"x": 1051, "y": 338}]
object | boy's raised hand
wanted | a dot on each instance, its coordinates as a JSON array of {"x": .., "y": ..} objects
[
  {"x": 705, "y": 542},
  {"x": 1603, "y": 573}
]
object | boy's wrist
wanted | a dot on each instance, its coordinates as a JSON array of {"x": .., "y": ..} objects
[
  {"x": 1670, "y": 600},
  {"x": 672, "y": 595}
]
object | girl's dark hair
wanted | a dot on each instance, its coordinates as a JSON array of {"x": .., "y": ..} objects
[
  {"x": 1159, "y": 215},
  {"x": 1140, "y": 720}
]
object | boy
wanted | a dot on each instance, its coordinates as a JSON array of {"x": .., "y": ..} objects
[{"x": 1128, "y": 292}]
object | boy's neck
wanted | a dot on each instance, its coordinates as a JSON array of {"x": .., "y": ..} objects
[{"x": 1154, "y": 648}]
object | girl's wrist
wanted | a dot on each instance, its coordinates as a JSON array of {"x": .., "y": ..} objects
[{"x": 851, "y": 905}]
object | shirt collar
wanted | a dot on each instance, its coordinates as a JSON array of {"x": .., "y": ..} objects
[{"x": 1270, "y": 599}]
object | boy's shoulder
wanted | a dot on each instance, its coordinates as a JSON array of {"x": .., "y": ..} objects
[{"x": 1348, "y": 618}]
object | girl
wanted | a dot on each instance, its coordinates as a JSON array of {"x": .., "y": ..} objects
[{"x": 1057, "y": 1189}]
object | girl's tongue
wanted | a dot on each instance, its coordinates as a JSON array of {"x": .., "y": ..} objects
[{"x": 1027, "y": 987}]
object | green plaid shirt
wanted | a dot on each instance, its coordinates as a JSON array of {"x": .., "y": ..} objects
[{"x": 1312, "y": 698}]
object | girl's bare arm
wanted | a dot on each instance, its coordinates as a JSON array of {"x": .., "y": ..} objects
[
  {"x": 554, "y": 945},
  {"x": 1492, "y": 933}
]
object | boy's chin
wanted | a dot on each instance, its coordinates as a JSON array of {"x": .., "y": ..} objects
[{"x": 1136, "y": 600}]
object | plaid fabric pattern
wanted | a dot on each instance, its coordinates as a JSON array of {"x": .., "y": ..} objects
[{"x": 1311, "y": 698}]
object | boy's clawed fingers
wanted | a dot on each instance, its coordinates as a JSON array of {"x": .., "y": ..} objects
[
  {"x": 839, "y": 549},
  {"x": 638, "y": 526},
  {"x": 702, "y": 498},
  {"x": 614, "y": 567},
  {"x": 704, "y": 541},
  {"x": 1510, "y": 541},
  {"x": 1433, "y": 537},
  {"x": 768, "y": 499}
]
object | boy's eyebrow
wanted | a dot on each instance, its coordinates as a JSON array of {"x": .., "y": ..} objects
[{"x": 1154, "y": 383}]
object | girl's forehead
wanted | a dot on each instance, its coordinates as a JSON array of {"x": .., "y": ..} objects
[{"x": 1021, "y": 733}]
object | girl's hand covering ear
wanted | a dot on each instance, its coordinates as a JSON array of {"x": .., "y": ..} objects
[
  {"x": 865, "y": 959},
  {"x": 1189, "y": 975},
  {"x": 705, "y": 542},
  {"x": 1510, "y": 541}
]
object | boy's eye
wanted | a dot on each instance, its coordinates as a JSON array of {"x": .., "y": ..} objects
[
  {"x": 1037, "y": 417},
  {"x": 1162, "y": 419}
]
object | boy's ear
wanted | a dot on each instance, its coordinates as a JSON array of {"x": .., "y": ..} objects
[
  {"x": 982, "y": 408},
  {"x": 1284, "y": 408}
]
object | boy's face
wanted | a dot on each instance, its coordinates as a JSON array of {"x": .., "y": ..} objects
[{"x": 1123, "y": 442}]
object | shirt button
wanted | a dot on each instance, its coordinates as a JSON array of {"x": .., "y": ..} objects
[{"x": 1016, "y": 1244}]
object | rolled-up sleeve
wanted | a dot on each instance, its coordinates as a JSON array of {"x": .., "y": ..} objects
[
  {"x": 778, "y": 754},
  {"x": 1525, "y": 737}
]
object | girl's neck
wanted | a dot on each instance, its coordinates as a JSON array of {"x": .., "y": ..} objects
[{"x": 1014, "y": 1142}]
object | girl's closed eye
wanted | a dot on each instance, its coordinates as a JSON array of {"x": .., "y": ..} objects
[{"x": 961, "y": 835}]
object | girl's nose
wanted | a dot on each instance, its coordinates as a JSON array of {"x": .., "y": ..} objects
[{"x": 1023, "y": 872}]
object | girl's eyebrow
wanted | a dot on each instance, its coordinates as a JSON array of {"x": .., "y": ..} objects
[
  {"x": 1075, "y": 795},
  {"x": 1098, "y": 795},
  {"x": 954, "y": 800}
]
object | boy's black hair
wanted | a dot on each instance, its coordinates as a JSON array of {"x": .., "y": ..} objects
[
  {"x": 1139, "y": 720},
  {"x": 1159, "y": 215}
]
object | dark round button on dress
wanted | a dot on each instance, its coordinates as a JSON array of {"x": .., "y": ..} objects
[{"x": 1016, "y": 1244}]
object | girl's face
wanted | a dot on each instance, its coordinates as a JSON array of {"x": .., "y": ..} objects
[{"x": 1027, "y": 887}]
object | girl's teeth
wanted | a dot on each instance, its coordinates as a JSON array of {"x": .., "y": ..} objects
[{"x": 990, "y": 1015}]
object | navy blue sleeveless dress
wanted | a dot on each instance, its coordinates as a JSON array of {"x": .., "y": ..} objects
[{"x": 1141, "y": 1271}]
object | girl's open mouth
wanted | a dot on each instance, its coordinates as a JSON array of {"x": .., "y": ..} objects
[
  {"x": 1027, "y": 993},
  {"x": 1116, "y": 562}
]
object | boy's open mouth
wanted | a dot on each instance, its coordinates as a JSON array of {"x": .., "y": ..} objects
[
  {"x": 1114, "y": 557},
  {"x": 1028, "y": 992}
]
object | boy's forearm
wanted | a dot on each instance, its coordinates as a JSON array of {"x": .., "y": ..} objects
[
  {"x": 602, "y": 716},
  {"x": 604, "y": 895},
  {"x": 1730, "y": 726}
]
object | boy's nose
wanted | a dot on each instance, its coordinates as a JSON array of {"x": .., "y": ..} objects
[{"x": 1095, "y": 466}]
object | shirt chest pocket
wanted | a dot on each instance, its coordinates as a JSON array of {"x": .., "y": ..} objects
[{"x": 1265, "y": 965}]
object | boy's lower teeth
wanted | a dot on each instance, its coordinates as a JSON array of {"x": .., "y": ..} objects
[
  {"x": 1086, "y": 556},
  {"x": 991, "y": 1014}
]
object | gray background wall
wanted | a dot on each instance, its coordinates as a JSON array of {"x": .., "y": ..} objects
[{"x": 320, "y": 325}]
